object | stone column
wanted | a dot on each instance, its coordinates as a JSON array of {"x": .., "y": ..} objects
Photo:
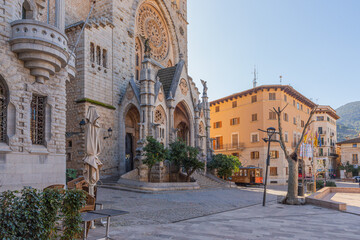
[
  {"x": 196, "y": 127},
  {"x": 206, "y": 110},
  {"x": 60, "y": 14},
  {"x": 170, "y": 103}
]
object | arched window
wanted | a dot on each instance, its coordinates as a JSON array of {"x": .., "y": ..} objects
[
  {"x": 3, "y": 109},
  {"x": 26, "y": 10},
  {"x": 138, "y": 58},
  {"x": 169, "y": 64}
]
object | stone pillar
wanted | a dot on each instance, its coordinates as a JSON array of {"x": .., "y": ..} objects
[
  {"x": 60, "y": 14},
  {"x": 170, "y": 103},
  {"x": 147, "y": 94},
  {"x": 196, "y": 127},
  {"x": 206, "y": 109}
]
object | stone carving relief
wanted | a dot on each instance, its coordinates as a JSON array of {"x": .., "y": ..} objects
[
  {"x": 129, "y": 94},
  {"x": 184, "y": 87},
  {"x": 201, "y": 129},
  {"x": 151, "y": 26},
  {"x": 161, "y": 96}
]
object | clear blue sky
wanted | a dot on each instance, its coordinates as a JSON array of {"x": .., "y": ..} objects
[{"x": 313, "y": 44}]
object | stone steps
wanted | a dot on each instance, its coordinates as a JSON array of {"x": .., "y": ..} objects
[{"x": 206, "y": 182}]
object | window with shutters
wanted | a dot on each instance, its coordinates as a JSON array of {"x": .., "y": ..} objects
[
  {"x": 286, "y": 117},
  {"x": 254, "y": 137},
  {"x": 294, "y": 103},
  {"x": 272, "y": 115},
  {"x": 274, "y": 154},
  {"x": 272, "y": 96},
  {"x": 217, "y": 124},
  {"x": 234, "y": 104},
  {"x": 234, "y": 121},
  {"x": 235, "y": 140},
  {"x": 302, "y": 123},
  {"x": 218, "y": 143},
  {"x": 294, "y": 120},
  {"x": 286, "y": 137},
  {"x": 273, "y": 171},
  {"x": 254, "y": 155},
  {"x": 253, "y": 99},
  {"x": 217, "y": 108},
  {"x": 254, "y": 117},
  {"x": 285, "y": 98},
  {"x": 355, "y": 159},
  {"x": 38, "y": 119}
]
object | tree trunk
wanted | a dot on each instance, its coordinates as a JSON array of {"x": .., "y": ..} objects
[
  {"x": 292, "y": 194},
  {"x": 149, "y": 173}
]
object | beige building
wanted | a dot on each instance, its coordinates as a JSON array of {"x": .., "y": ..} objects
[
  {"x": 34, "y": 70},
  {"x": 132, "y": 65},
  {"x": 325, "y": 154},
  {"x": 236, "y": 120},
  {"x": 350, "y": 151}
]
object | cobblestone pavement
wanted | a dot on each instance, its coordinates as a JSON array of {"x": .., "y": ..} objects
[{"x": 221, "y": 214}]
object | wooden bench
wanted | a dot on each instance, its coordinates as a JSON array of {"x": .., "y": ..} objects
[{"x": 98, "y": 214}]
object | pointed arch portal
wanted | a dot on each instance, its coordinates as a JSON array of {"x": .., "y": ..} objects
[{"x": 182, "y": 123}]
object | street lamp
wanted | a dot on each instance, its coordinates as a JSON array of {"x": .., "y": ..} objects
[
  {"x": 109, "y": 133},
  {"x": 270, "y": 132}
]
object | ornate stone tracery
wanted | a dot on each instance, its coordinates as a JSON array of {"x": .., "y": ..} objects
[
  {"x": 159, "y": 115},
  {"x": 151, "y": 25},
  {"x": 201, "y": 129}
]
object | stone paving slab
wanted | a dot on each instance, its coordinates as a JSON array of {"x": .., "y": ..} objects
[{"x": 271, "y": 222}]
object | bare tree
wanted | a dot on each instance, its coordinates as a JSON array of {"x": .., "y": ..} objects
[{"x": 292, "y": 158}]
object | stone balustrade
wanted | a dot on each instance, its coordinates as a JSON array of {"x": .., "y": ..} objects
[{"x": 42, "y": 47}]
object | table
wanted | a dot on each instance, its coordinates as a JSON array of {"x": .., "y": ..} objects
[{"x": 97, "y": 214}]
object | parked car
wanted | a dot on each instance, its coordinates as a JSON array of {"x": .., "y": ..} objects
[{"x": 357, "y": 178}]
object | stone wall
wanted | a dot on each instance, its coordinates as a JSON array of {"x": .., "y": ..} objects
[{"x": 21, "y": 162}]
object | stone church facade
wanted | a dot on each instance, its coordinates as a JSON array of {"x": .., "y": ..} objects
[
  {"x": 35, "y": 65},
  {"x": 131, "y": 63}
]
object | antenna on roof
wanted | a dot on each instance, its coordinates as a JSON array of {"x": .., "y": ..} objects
[
  {"x": 280, "y": 80},
  {"x": 255, "y": 77}
]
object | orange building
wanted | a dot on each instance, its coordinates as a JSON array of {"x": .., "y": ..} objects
[{"x": 235, "y": 121}]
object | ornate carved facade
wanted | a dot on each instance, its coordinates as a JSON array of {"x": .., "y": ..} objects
[{"x": 144, "y": 89}]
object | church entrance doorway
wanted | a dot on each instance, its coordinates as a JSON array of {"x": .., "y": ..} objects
[
  {"x": 182, "y": 123},
  {"x": 131, "y": 136}
]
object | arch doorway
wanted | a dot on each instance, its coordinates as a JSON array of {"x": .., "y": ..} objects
[
  {"x": 131, "y": 136},
  {"x": 182, "y": 123}
]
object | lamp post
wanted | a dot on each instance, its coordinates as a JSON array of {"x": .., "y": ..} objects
[{"x": 270, "y": 132}]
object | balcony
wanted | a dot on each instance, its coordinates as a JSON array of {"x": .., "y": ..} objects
[
  {"x": 42, "y": 47},
  {"x": 230, "y": 147}
]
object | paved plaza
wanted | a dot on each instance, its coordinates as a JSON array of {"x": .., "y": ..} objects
[{"x": 221, "y": 213}]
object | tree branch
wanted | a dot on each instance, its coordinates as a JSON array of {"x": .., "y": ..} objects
[
  {"x": 282, "y": 142},
  {"x": 309, "y": 121}
]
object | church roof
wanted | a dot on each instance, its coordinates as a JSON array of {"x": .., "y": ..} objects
[{"x": 166, "y": 76}]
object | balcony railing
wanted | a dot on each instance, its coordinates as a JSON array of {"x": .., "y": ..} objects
[{"x": 225, "y": 147}]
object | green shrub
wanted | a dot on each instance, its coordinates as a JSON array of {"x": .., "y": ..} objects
[
  {"x": 185, "y": 157},
  {"x": 155, "y": 152},
  {"x": 74, "y": 200},
  {"x": 319, "y": 184},
  {"x": 70, "y": 174},
  {"x": 32, "y": 214},
  {"x": 330, "y": 184},
  {"x": 224, "y": 164}
]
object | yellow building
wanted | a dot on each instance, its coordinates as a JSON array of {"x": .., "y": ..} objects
[
  {"x": 349, "y": 152},
  {"x": 236, "y": 120}
]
